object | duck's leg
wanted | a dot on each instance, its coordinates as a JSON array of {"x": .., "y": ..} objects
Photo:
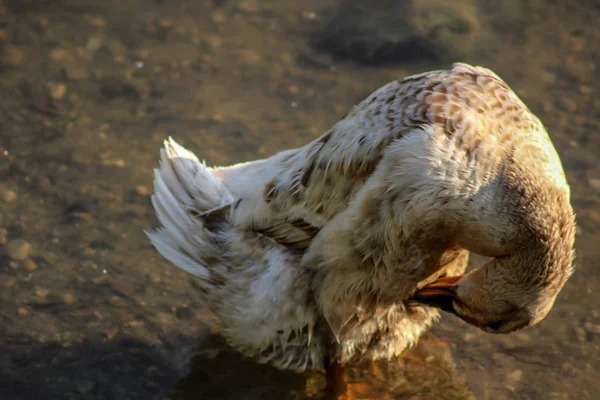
[
  {"x": 338, "y": 387},
  {"x": 336, "y": 380}
]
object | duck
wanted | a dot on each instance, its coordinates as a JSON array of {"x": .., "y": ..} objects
[{"x": 348, "y": 248}]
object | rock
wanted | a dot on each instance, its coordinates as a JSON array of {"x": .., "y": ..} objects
[
  {"x": 13, "y": 56},
  {"x": 7, "y": 195},
  {"x": 580, "y": 334},
  {"x": 94, "y": 43},
  {"x": 3, "y": 236},
  {"x": 80, "y": 217},
  {"x": 513, "y": 378},
  {"x": 399, "y": 30},
  {"x": 41, "y": 292},
  {"x": 75, "y": 72},
  {"x": 566, "y": 104},
  {"x": 57, "y": 54},
  {"x": 585, "y": 89},
  {"x": 9, "y": 281},
  {"x": 97, "y": 21},
  {"x": 68, "y": 298},
  {"x": 18, "y": 249},
  {"x": 594, "y": 216},
  {"x": 142, "y": 190},
  {"x": 250, "y": 57},
  {"x": 213, "y": 42},
  {"x": 57, "y": 90},
  {"x": 84, "y": 386},
  {"x": 249, "y": 6},
  {"x": 29, "y": 265},
  {"x": 117, "y": 49}
]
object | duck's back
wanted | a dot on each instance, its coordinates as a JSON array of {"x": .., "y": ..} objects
[{"x": 291, "y": 196}]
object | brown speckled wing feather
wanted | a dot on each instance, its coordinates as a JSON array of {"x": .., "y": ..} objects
[{"x": 318, "y": 181}]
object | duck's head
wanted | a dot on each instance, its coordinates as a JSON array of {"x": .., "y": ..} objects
[
  {"x": 490, "y": 301},
  {"x": 531, "y": 242}
]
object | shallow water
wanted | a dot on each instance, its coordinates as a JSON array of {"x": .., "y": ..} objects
[{"x": 88, "y": 310}]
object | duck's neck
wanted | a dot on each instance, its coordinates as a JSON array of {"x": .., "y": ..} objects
[{"x": 530, "y": 236}]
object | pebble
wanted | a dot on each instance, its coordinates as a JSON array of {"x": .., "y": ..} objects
[
  {"x": 97, "y": 21},
  {"x": 68, "y": 298},
  {"x": 595, "y": 183},
  {"x": 22, "y": 312},
  {"x": 142, "y": 190},
  {"x": 135, "y": 323},
  {"x": 468, "y": 337},
  {"x": 249, "y": 6},
  {"x": 82, "y": 216},
  {"x": 513, "y": 378},
  {"x": 40, "y": 292},
  {"x": 567, "y": 366},
  {"x": 13, "y": 56},
  {"x": 10, "y": 282},
  {"x": 213, "y": 42},
  {"x": 155, "y": 278},
  {"x": 84, "y": 386},
  {"x": 580, "y": 333},
  {"x": 57, "y": 54},
  {"x": 75, "y": 72},
  {"x": 94, "y": 43},
  {"x": 566, "y": 104},
  {"x": 548, "y": 77},
  {"x": 3, "y": 236},
  {"x": 593, "y": 328},
  {"x": 18, "y": 249},
  {"x": 7, "y": 195},
  {"x": 218, "y": 17},
  {"x": 524, "y": 337},
  {"x": 114, "y": 163},
  {"x": 57, "y": 90},
  {"x": 29, "y": 265},
  {"x": 594, "y": 215},
  {"x": 585, "y": 89},
  {"x": 250, "y": 57},
  {"x": 117, "y": 48}
]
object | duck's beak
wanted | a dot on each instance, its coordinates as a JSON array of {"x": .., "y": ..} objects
[{"x": 440, "y": 294}]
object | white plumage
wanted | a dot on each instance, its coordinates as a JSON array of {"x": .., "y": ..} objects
[{"x": 311, "y": 256}]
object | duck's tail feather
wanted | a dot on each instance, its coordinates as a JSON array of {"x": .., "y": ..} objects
[{"x": 192, "y": 206}]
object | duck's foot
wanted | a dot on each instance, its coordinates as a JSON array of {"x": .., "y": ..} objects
[
  {"x": 336, "y": 381},
  {"x": 338, "y": 387}
]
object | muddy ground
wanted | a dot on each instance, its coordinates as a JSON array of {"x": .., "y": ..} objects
[{"x": 88, "y": 91}]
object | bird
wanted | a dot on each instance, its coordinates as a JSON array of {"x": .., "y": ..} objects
[{"x": 347, "y": 248}]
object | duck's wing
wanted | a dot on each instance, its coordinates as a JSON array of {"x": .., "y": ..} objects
[{"x": 291, "y": 196}]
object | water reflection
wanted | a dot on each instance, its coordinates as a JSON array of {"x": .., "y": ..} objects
[{"x": 426, "y": 371}]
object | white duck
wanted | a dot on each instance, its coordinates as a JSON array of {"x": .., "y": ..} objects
[{"x": 321, "y": 255}]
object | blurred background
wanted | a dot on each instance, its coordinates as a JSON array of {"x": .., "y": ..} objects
[{"x": 88, "y": 92}]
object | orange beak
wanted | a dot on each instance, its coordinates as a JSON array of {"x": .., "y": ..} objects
[{"x": 440, "y": 294}]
